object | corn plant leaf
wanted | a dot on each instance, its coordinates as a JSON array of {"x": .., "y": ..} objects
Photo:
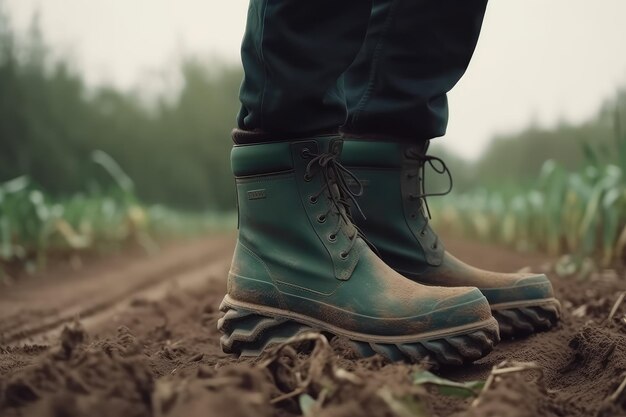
[
  {"x": 402, "y": 406},
  {"x": 611, "y": 223},
  {"x": 447, "y": 387},
  {"x": 114, "y": 170},
  {"x": 6, "y": 248},
  {"x": 620, "y": 136},
  {"x": 15, "y": 185}
]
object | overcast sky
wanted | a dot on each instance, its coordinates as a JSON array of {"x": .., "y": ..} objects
[{"x": 536, "y": 59}]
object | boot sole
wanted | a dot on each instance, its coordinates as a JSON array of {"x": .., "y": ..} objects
[
  {"x": 249, "y": 329},
  {"x": 523, "y": 318}
]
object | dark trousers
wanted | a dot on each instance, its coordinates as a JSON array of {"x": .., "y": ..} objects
[{"x": 375, "y": 68}]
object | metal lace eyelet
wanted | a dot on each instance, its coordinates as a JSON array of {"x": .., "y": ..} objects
[
  {"x": 321, "y": 218},
  {"x": 423, "y": 233},
  {"x": 413, "y": 215},
  {"x": 332, "y": 237},
  {"x": 305, "y": 153},
  {"x": 312, "y": 199},
  {"x": 343, "y": 255},
  {"x": 434, "y": 246},
  {"x": 307, "y": 177}
]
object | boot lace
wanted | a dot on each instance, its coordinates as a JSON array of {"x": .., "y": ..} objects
[
  {"x": 339, "y": 194},
  {"x": 440, "y": 167}
]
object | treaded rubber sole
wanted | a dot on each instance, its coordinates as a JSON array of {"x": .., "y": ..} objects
[
  {"x": 523, "y": 319},
  {"x": 248, "y": 333}
]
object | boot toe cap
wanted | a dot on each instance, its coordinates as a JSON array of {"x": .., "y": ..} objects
[
  {"x": 459, "y": 296},
  {"x": 526, "y": 288},
  {"x": 462, "y": 306}
]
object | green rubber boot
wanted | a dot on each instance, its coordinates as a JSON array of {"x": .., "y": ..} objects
[
  {"x": 397, "y": 225},
  {"x": 300, "y": 264}
]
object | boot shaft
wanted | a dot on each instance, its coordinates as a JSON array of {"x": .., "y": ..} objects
[
  {"x": 287, "y": 214},
  {"x": 396, "y": 221}
]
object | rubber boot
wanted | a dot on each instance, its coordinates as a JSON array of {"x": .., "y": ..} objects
[
  {"x": 300, "y": 264},
  {"x": 396, "y": 223}
]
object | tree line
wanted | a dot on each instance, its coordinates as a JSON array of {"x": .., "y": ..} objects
[{"x": 176, "y": 150}]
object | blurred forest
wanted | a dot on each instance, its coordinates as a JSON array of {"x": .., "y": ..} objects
[
  {"x": 513, "y": 161},
  {"x": 176, "y": 148}
]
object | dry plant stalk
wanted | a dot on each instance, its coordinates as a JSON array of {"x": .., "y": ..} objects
[
  {"x": 317, "y": 362},
  {"x": 618, "y": 392},
  {"x": 619, "y": 301},
  {"x": 508, "y": 367}
]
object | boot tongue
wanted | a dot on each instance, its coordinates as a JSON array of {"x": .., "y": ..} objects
[
  {"x": 334, "y": 191},
  {"x": 335, "y": 194},
  {"x": 419, "y": 148},
  {"x": 335, "y": 146}
]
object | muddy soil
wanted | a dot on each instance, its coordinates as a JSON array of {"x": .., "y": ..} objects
[{"x": 154, "y": 351}]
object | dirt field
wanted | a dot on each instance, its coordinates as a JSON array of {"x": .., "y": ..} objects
[{"x": 147, "y": 345}]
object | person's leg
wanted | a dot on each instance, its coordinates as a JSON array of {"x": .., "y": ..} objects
[
  {"x": 294, "y": 53},
  {"x": 416, "y": 50},
  {"x": 300, "y": 263}
]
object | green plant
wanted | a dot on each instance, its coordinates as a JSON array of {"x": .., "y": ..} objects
[
  {"x": 582, "y": 213},
  {"x": 33, "y": 224}
]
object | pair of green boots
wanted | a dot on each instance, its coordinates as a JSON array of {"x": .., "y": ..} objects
[{"x": 305, "y": 260}]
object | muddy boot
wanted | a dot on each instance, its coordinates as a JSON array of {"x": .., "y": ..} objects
[
  {"x": 300, "y": 264},
  {"x": 396, "y": 223}
]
